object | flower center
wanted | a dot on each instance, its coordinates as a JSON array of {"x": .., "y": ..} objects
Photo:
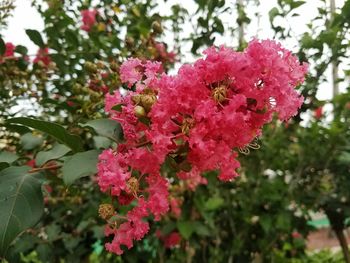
[
  {"x": 219, "y": 93},
  {"x": 187, "y": 124}
]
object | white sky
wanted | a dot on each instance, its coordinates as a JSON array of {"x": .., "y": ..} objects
[{"x": 26, "y": 17}]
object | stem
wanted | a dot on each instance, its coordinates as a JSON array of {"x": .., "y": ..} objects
[
  {"x": 337, "y": 223},
  {"x": 45, "y": 168},
  {"x": 343, "y": 243}
]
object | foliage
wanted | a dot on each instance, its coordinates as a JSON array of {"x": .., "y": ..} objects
[{"x": 51, "y": 148}]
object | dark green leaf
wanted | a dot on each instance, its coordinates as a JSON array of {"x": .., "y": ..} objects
[
  {"x": 118, "y": 107},
  {"x": 214, "y": 203},
  {"x": 30, "y": 141},
  {"x": 2, "y": 46},
  {"x": 105, "y": 127},
  {"x": 57, "y": 131},
  {"x": 56, "y": 152},
  {"x": 35, "y": 36},
  {"x": 80, "y": 165},
  {"x": 186, "y": 228},
  {"x": 21, "y": 203},
  {"x": 8, "y": 157},
  {"x": 21, "y": 50}
]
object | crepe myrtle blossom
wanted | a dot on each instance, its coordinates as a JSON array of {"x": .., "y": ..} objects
[
  {"x": 194, "y": 122},
  {"x": 42, "y": 57},
  {"x": 9, "y": 51},
  {"x": 88, "y": 18}
]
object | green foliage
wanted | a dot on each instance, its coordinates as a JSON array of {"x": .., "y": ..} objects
[
  {"x": 35, "y": 36},
  {"x": 298, "y": 169},
  {"x": 21, "y": 203},
  {"x": 56, "y": 131},
  {"x": 80, "y": 165}
]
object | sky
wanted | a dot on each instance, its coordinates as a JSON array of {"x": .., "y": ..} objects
[{"x": 26, "y": 17}]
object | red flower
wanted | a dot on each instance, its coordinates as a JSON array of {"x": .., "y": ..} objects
[
  {"x": 196, "y": 120},
  {"x": 318, "y": 113},
  {"x": 31, "y": 163},
  {"x": 9, "y": 51},
  {"x": 42, "y": 56}
]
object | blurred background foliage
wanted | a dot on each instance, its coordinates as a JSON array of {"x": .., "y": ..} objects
[{"x": 49, "y": 153}]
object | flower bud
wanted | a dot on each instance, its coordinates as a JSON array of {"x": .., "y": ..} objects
[
  {"x": 129, "y": 42},
  {"x": 147, "y": 101},
  {"x": 139, "y": 111},
  {"x": 114, "y": 66},
  {"x": 90, "y": 67},
  {"x": 157, "y": 27},
  {"x": 106, "y": 211}
]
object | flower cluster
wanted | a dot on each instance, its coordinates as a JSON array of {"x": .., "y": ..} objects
[{"x": 194, "y": 122}]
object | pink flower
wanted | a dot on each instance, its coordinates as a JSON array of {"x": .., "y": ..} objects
[
  {"x": 175, "y": 207},
  {"x": 171, "y": 240},
  {"x": 111, "y": 175},
  {"x": 31, "y": 163},
  {"x": 43, "y": 56},
  {"x": 158, "y": 202},
  {"x": 131, "y": 71},
  {"x": 10, "y": 50},
  {"x": 194, "y": 122},
  {"x": 296, "y": 235},
  {"x": 89, "y": 19}
]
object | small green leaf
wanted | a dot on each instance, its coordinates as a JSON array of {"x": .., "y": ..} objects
[
  {"x": 213, "y": 203},
  {"x": 21, "y": 50},
  {"x": 101, "y": 142},
  {"x": 2, "y": 46},
  {"x": 118, "y": 107},
  {"x": 105, "y": 127},
  {"x": 57, "y": 131},
  {"x": 186, "y": 228},
  {"x": 7, "y": 157},
  {"x": 35, "y": 36},
  {"x": 201, "y": 229},
  {"x": 56, "y": 152},
  {"x": 21, "y": 203},
  {"x": 80, "y": 165},
  {"x": 30, "y": 141},
  {"x": 273, "y": 13},
  {"x": 296, "y": 4}
]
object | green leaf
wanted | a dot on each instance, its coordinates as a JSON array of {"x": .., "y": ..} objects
[
  {"x": 201, "y": 229},
  {"x": 101, "y": 142},
  {"x": 105, "y": 127},
  {"x": 21, "y": 50},
  {"x": 21, "y": 203},
  {"x": 35, "y": 36},
  {"x": 30, "y": 141},
  {"x": 7, "y": 157},
  {"x": 2, "y": 46},
  {"x": 296, "y": 4},
  {"x": 273, "y": 13},
  {"x": 186, "y": 228},
  {"x": 213, "y": 203},
  {"x": 57, "y": 131},
  {"x": 80, "y": 165},
  {"x": 118, "y": 107},
  {"x": 56, "y": 152}
]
